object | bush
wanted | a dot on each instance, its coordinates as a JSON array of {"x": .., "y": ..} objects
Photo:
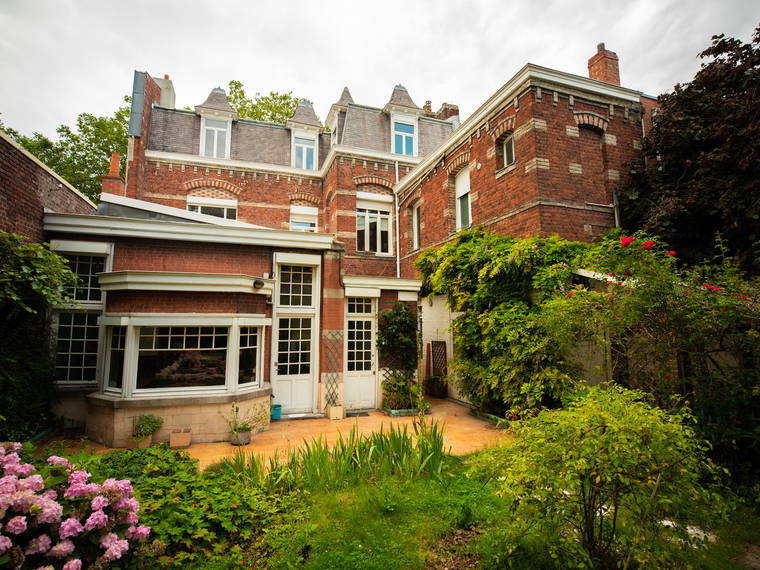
[
  {"x": 592, "y": 484},
  {"x": 138, "y": 464},
  {"x": 400, "y": 392},
  {"x": 397, "y": 337},
  {"x": 147, "y": 425}
]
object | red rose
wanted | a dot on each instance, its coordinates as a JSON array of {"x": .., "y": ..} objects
[
  {"x": 743, "y": 297},
  {"x": 671, "y": 252},
  {"x": 570, "y": 294},
  {"x": 619, "y": 282},
  {"x": 626, "y": 241},
  {"x": 649, "y": 244}
]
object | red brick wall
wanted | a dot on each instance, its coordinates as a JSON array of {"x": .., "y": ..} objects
[
  {"x": 136, "y": 157},
  {"x": 27, "y": 188},
  {"x": 185, "y": 302}
]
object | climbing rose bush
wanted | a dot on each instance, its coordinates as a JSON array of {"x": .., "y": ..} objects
[{"x": 59, "y": 519}]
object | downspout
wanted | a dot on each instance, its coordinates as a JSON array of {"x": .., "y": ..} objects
[{"x": 398, "y": 243}]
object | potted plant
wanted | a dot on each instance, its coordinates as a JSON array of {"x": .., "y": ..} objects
[
  {"x": 240, "y": 427},
  {"x": 142, "y": 432}
]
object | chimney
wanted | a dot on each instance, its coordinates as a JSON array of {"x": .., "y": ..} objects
[
  {"x": 168, "y": 98},
  {"x": 446, "y": 111},
  {"x": 427, "y": 109},
  {"x": 603, "y": 66},
  {"x": 113, "y": 183}
]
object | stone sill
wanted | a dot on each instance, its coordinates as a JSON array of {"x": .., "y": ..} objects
[
  {"x": 108, "y": 401},
  {"x": 505, "y": 170}
]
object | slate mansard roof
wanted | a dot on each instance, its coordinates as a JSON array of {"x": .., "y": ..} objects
[{"x": 357, "y": 126}]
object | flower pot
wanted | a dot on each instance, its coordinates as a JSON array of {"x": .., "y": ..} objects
[
  {"x": 335, "y": 412},
  {"x": 276, "y": 411},
  {"x": 240, "y": 438},
  {"x": 180, "y": 438},
  {"x": 139, "y": 442}
]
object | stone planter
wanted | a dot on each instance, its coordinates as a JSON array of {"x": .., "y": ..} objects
[
  {"x": 139, "y": 442},
  {"x": 336, "y": 412},
  {"x": 180, "y": 438},
  {"x": 240, "y": 438}
]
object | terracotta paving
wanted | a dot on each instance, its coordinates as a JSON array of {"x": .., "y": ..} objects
[{"x": 463, "y": 433}]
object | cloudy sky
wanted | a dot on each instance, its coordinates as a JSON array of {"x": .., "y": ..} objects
[{"x": 59, "y": 58}]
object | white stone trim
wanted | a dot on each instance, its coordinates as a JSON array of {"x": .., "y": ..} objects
[
  {"x": 297, "y": 259},
  {"x": 407, "y": 296},
  {"x": 383, "y": 283},
  {"x": 183, "y": 231},
  {"x": 202, "y": 200},
  {"x": 81, "y": 247},
  {"x": 372, "y": 197},
  {"x": 136, "y": 280},
  {"x": 373, "y": 292}
]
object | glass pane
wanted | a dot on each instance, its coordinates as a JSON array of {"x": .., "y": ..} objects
[
  {"x": 212, "y": 211},
  {"x": 209, "y": 150},
  {"x": 310, "y": 159},
  {"x": 360, "y": 237},
  {"x": 409, "y": 150},
  {"x": 221, "y": 144},
  {"x": 404, "y": 128},
  {"x": 299, "y": 157},
  {"x": 373, "y": 234},
  {"x": 464, "y": 211},
  {"x": 216, "y": 124},
  {"x": 398, "y": 144},
  {"x": 305, "y": 142}
]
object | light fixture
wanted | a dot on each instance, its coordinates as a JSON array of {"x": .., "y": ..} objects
[{"x": 258, "y": 283}]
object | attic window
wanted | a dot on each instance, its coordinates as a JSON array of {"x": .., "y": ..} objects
[
  {"x": 215, "y": 139},
  {"x": 304, "y": 153},
  {"x": 403, "y": 138}
]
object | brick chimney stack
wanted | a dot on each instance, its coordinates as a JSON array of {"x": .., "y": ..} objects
[
  {"x": 603, "y": 66},
  {"x": 427, "y": 109},
  {"x": 447, "y": 110},
  {"x": 113, "y": 183}
]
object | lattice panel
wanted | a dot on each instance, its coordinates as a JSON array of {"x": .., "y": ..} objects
[
  {"x": 332, "y": 352},
  {"x": 438, "y": 349}
]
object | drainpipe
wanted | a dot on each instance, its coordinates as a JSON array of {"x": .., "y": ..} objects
[{"x": 398, "y": 243}]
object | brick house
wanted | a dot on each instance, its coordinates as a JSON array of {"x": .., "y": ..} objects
[{"x": 241, "y": 259}]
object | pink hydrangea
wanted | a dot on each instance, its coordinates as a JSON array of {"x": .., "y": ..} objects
[
  {"x": 70, "y": 527},
  {"x": 62, "y": 549},
  {"x": 75, "y": 564},
  {"x": 98, "y": 519},
  {"x": 55, "y": 460},
  {"x": 32, "y": 483},
  {"x": 99, "y": 503},
  {"x": 79, "y": 477},
  {"x": 39, "y": 545},
  {"x": 138, "y": 532},
  {"x": 131, "y": 518},
  {"x": 82, "y": 490},
  {"x": 51, "y": 510},
  {"x": 5, "y": 543},
  {"x": 21, "y": 469},
  {"x": 122, "y": 487},
  {"x": 16, "y": 525},
  {"x": 127, "y": 504},
  {"x": 116, "y": 550},
  {"x": 10, "y": 459}
]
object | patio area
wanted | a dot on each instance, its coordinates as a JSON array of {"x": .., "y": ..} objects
[{"x": 463, "y": 432}]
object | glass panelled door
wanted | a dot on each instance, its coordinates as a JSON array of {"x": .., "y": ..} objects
[
  {"x": 360, "y": 380},
  {"x": 293, "y": 383}
]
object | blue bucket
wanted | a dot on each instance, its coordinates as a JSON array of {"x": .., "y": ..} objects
[{"x": 276, "y": 411}]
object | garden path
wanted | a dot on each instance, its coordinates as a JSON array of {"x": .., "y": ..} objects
[{"x": 463, "y": 432}]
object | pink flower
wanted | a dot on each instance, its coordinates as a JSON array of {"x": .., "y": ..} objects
[
  {"x": 131, "y": 518},
  {"x": 32, "y": 483},
  {"x": 626, "y": 241},
  {"x": 70, "y": 527},
  {"x": 649, "y": 244},
  {"x": 39, "y": 545},
  {"x": 97, "y": 519},
  {"x": 21, "y": 469},
  {"x": 99, "y": 502},
  {"x": 55, "y": 460},
  {"x": 16, "y": 525},
  {"x": 140, "y": 532},
  {"x": 51, "y": 511},
  {"x": 570, "y": 294},
  {"x": 5, "y": 543},
  {"x": 62, "y": 549},
  {"x": 672, "y": 253},
  {"x": 78, "y": 477},
  {"x": 127, "y": 504},
  {"x": 116, "y": 550},
  {"x": 75, "y": 564},
  {"x": 743, "y": 297},
  {"x": 108, "y": 540}
]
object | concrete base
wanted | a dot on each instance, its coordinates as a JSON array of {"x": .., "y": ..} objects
[{"x": 110, "y": 420}]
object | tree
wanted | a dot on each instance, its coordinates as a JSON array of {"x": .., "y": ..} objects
[
  {"x": 82, "y": 154},
  {"x": 702, "y": 159},
  {"x": 272, "y": 108}
]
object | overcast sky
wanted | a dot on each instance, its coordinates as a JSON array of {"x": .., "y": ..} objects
[{"x": 59, "y": 58}]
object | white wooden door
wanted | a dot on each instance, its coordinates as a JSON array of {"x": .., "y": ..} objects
[
  {"x": 360, "y": 387},
  {"x": 293, "y": 370}
]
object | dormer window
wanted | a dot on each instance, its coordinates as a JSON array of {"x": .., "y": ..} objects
[
  {"x": 403, "y": 138},
  {"x": 304, "y": 153},
  {"x": 215, "y": 137}
]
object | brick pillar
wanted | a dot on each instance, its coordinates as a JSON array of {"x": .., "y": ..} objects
[
  {"x": 603, "y": 66},
  {"x": 113, "y": 183}
]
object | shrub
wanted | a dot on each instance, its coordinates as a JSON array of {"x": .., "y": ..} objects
[
  {"x": 594, "y": 483},
  {"x": 138, "y": 464},
  {"x": 397, "y": 337},
  {"x": 400, "y": 392},
  {"x": 58, "y": 519},
  {"x": 147, "y": 425}
]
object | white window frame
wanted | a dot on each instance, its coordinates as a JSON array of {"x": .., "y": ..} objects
[
  {"x": 462, "y": 188},
  {"x": 135, "y": 322},
  {"x": 301, "y": 134},
  {"x": 509, "y": 142},
  {"x": 200, "y": 202},
  {"x": 416, "y": 225},
  {"x": 372, "y": 316},
  {"x": 407, "y": 120},
  {"x": 381, "y": 203},
  {"x": 91, "y": 248},
  {"x": 228, "y": 137},
  {"x": 301, "y": 215}
]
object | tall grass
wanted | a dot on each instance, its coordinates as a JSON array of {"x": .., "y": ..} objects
[{"x": 317, "y": 466}]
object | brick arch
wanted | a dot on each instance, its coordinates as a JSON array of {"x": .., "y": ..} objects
[
  {"x": 207, "y": 192},
  {"x": 458, "y": 163},
  {"x": 303, "y": 199},
  {"x": 589, "y": 119},
  {"x": 371, "y": 179},
  {"x": 212, "y": 183},
  {"x": 504, "y": 127}
]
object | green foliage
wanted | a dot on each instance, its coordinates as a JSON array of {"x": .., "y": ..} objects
[
  {"x": 31, "y": 276},
  {"x": 702, "y": 159},
  {"x": 504, "y": 360},
  {"x": 318, "y": 466},
  {"x": 397, "y": 336},
  {"x": 681, "y": 335},
  {"x": 591, "y": 484},
  {"x": 400, "y": 392},
  {"x": 272, "y": 108},
  {"x": 138, "y": 464},
  {"x": 147, "y": 425},
  {"x": 82, "y": 154}
]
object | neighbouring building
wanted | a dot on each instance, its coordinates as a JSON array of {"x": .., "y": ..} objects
[{"x": 242, "y": 259}]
